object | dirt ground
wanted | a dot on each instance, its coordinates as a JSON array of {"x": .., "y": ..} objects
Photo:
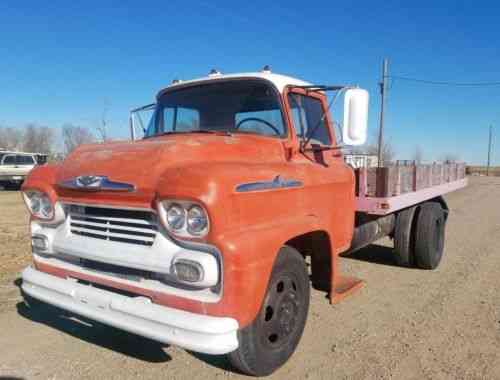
[{"x": 404, "y": 324}]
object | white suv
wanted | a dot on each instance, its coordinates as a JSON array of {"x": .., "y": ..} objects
[{"x": 14, "y": 167}]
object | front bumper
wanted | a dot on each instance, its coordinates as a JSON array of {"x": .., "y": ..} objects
[{"x": 196, "y": 332}]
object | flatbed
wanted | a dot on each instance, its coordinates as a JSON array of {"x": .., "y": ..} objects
[{"x": 384, "y": 205}]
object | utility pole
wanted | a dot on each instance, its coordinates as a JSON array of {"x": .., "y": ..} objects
[
  {"x": 383, "y": 90},
  {"x": 489, "y": 151}
]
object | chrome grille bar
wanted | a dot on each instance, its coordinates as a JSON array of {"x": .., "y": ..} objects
[{"x": 126, "y": 226}]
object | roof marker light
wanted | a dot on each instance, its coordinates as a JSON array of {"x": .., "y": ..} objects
[
  {"x": 176, "y": 81},
  {"x": 214, "y": 73},
  {"x": 266, "y": 69}
]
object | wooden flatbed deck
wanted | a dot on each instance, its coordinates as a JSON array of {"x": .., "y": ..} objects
[{"x": 382, "y": 191}]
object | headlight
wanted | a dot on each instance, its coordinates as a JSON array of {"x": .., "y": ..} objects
[
  {"x": 39, "y": 204},
  {"x": 176, "y": 216},
  {"x": 184, "y": 218},
  {"x": 197, "y": 220}
]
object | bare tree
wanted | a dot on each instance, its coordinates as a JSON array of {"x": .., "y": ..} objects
[
  {"x": 102, "y": 126},
  {"x": 32, "y": 138},
  {"x": 11, "y": 138},
  {"x": 418, "y": 155},
  {"x": 74, "y": 135},
  {"x": 38, "y": 139}
]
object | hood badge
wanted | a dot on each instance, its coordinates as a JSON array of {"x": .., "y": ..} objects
[
  {"x": 277, "y": 183},
  {"x": 95, "y": 183}
]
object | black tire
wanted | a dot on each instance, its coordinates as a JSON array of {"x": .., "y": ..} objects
[
  {"x": 269, "y": 341},
  {"x": 429, "y": 235},
  {"x": 404, "y": 238}
]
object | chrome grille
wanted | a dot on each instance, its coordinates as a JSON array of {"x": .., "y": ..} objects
[{"x": 126, "y": 226}]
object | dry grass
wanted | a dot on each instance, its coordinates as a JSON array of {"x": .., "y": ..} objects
[{"x": 15, "y": 252}]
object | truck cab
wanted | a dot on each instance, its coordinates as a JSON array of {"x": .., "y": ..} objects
[{"x": 196, "y": 233}]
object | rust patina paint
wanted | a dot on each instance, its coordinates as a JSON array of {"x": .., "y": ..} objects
[{"x": 247, "y": 227}]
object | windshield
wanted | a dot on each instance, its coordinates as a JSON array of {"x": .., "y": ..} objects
[{"x": 238, "y": 106}]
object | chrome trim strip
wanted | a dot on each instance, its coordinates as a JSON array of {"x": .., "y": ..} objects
[
  {"x": 276, "y": 183},
  {"x": 95, "y": 183},
  {"x": 117, "y": 207}
]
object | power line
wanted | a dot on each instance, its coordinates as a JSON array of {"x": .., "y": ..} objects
[{"x": 443, "y": 83}]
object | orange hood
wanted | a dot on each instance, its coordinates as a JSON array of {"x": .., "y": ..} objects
[{"x": 145, "y": 163}]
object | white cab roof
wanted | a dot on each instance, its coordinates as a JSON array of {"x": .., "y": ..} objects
[{"x": 278, "y": 80}]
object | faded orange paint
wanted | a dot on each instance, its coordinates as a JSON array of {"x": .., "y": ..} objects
[{"x": 247, "y": 227}]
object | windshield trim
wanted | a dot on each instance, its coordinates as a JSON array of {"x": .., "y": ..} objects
[{"x": 270, "y": 84}]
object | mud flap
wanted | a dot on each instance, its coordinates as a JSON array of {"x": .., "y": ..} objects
[{"x": 342, "y": 286}]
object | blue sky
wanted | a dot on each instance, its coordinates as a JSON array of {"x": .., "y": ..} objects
[{"x": 66, "y": 61}]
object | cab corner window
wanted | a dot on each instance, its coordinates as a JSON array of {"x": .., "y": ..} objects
[{"x": 308, "y": 119}]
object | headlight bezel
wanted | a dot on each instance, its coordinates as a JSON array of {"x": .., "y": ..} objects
[
  {"x": 185, "y": 231},
  {"x": 39, "y": 204}
]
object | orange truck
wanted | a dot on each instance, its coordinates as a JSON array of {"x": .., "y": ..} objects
[{"x": 206, "y": 231}]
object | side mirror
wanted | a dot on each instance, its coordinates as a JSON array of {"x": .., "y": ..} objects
[{"x": 355, "y": 116}]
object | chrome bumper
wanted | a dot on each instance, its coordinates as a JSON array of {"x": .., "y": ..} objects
[{"x": 196, "y": 332}]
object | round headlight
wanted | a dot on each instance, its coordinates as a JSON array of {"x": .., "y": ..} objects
[
  {"x": 39, "y": 204},
  {"x": 197, "y": 220},
  {"x": 46, "y": 209},
  {"x": 176, "y": 216}
]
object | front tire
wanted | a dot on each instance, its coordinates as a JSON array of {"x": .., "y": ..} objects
[{"x": 269, "y": 341}]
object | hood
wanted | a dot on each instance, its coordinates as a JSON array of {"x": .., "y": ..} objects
[{"x": 143, "y": 163}]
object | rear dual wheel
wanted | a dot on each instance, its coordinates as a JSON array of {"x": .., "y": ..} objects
[
  {"x": 429, "y": 236},
  {"x": 268, "y": 342},
  {"x": 419, "y": 236}
]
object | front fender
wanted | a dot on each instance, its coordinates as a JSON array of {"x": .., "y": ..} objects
[
  {"x": 42, "y": 178},
  {"x": 249, "y": 255}
]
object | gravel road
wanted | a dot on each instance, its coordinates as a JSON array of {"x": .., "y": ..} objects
[{"x": 404, "y": 324}]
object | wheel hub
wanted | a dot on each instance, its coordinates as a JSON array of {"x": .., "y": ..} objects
[{"x": 281, "y": 311}]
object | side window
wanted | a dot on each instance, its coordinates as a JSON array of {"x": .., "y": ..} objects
[
  {"x": 24, "y": 160},
  {"x": 9, "y": 160},
  {"x": 307, "y": 118},
  {"x": 180, "y": 119}
]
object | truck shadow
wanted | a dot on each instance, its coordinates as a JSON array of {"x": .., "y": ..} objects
[
  {"x": 96, "y": 333},
  {"x": 374, "y": 253},
  {"x": 217, "y": 361}
]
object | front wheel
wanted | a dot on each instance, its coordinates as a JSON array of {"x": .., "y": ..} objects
[{"x": 268, "y": 342}]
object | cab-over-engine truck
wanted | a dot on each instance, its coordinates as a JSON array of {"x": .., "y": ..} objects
[{"x": 196, "y": 234}]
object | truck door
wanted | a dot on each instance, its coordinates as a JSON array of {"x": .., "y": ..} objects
[{"x": 331, "y": 180}]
